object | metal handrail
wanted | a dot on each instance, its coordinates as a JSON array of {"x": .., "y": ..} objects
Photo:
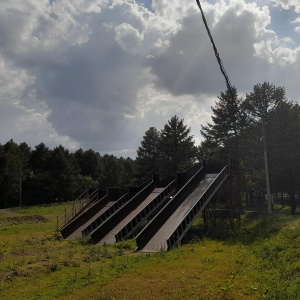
[
  {"x": 181, "y": 229},
  {"x": 192, "y": 171},
  {"x": 145, "y": 213},
  {"x": 116, "y": 206},
  {"x": 148, "y": 231},
  {"x": 81, "y": 202},
  {"x": 103, "y": 217}
]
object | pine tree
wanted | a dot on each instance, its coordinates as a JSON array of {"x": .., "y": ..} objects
[
  {"x": 15, "y": 170},
  {"x": 259, "y": 105},
  {"x": 228, "y": 123},
  {"x": 148, "y": 155},
  {"x": 177, "y": 149},
  {"x": 264, "y": 99},
  {"x": 63, "y": 170},
  {"x": 284, "y": 144},
  {"x": 89, "y": 162}
]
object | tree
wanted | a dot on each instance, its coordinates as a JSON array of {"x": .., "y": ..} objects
[
  {"x": 259, "y": 104},
  {"x": 177, "y": 149},
  {"x": 228, "y": 124},
  {"x": 148, "y": 155},
  {"x": 209, "y": 151},
  {"x": 39, "y": 158},
  {"x": 25, "y": 168},
  {"x": 284, "y": 142},
  {"x": 264, "y": 99},
  {"x": 3, "y": 202},
  {"x": 39, "y": 186},
  {"x": 224, "y": 134},
  {"x": 85, "y": 182},
  {"x": 63, "y": 170},
  {"x": 15, "y": 169},
  {"x": 110, "y": 176},
  {"x": 89, "y": 162},
  {"x": 127, "y": 172}
]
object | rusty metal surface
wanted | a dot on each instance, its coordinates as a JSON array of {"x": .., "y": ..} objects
[
  {"x": 77, "y": 233},
  {"x": 110, "y": 237},
  {"x": 159, "y": 240}
]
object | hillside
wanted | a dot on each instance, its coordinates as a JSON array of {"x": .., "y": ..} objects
[{"x": 258, "y": 260}]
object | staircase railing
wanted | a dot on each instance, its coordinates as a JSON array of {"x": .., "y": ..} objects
[
  {"x": 183, "y": 227},
  {"x": 78, "y": 205}
]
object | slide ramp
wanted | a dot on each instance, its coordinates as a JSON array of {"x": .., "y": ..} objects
[
  {"x": 78, "y": 232},
  {"x": 146, "y": 211},
  {"x": 105, "y": 227},
  {"x": 110, "y": 238},
  {"x": 111, "y": 210},
  {"x": 108, "y": 199},
  {"x": 171, "y": 224}
]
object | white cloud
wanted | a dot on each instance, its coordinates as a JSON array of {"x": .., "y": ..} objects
[
  {"x": 297, "y": 28},
  {"x": 288, "y": 4},
  {"x": 98, "y": 74},
  {"x": 128, "y": 37}
]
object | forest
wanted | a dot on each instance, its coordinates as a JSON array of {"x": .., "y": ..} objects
[{"x": 241, "y": 128}]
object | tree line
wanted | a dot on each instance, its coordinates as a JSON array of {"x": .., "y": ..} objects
[
  {"x": 261, "y": 126},
  {"x": 241, "y": 128},
  {"x": 246, "y": 128},
  {"x": 41, "y": 175}
]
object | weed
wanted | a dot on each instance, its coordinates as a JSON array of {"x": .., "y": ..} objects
[
  {"x": 125, "y": 245},
  {"x": 96, "y": 253},
  {"x": 85, "y": 240},
  {"x": 53, "y": 267},
  {"x": 56, "y": 236}
]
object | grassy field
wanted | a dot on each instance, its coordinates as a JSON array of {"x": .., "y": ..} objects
[{"x": 258, "y": 260}]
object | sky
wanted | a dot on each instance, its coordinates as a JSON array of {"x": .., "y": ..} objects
[{"x": 97, "y": 74}]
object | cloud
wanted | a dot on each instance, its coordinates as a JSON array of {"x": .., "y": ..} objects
[
  {"x": 288, "y": 4},
  {"x": 98, "y": 74},
  {"x": 189, "y": 66}
]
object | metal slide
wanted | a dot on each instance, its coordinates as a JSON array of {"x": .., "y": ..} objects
[
  {"x": 138, "y": 208},
  {"x": 110, "y": 237},
  {"x": 121, "y": 214},
  {"x": 78, "y": 232},
  {"x": 145, "y": 212},
  {"x": 171, "y": 224},
  {"x": 73, "y": 229}
]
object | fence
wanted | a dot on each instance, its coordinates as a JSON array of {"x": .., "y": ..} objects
[{"x": 78, "y": 205}]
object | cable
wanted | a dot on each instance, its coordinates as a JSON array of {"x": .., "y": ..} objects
[{"x": 216, "y": 52}]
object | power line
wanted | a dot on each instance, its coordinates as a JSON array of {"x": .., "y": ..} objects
[{"x": 229, "y": 86}]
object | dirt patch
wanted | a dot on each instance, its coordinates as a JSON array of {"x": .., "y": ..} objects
[
  {"x": 6, "y": 211},
  {"x": 22, "y": 220}
]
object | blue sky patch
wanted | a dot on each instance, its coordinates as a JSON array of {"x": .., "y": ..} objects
[{"x": 281, "y": 23}]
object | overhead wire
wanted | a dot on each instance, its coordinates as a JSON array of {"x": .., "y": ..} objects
[
  {"x": 229, "y": 86},
  {"x": 222, "y": 68}
]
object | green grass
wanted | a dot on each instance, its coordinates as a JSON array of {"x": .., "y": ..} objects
[{"x": 257, "y": 260}]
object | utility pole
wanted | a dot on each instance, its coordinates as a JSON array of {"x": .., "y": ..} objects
[
  {"x": 20, "y": 186},
  {"x": 269, "y": 197}
]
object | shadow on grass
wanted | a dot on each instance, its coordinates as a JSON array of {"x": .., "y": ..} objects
[{"x": 256, "y": 224}]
